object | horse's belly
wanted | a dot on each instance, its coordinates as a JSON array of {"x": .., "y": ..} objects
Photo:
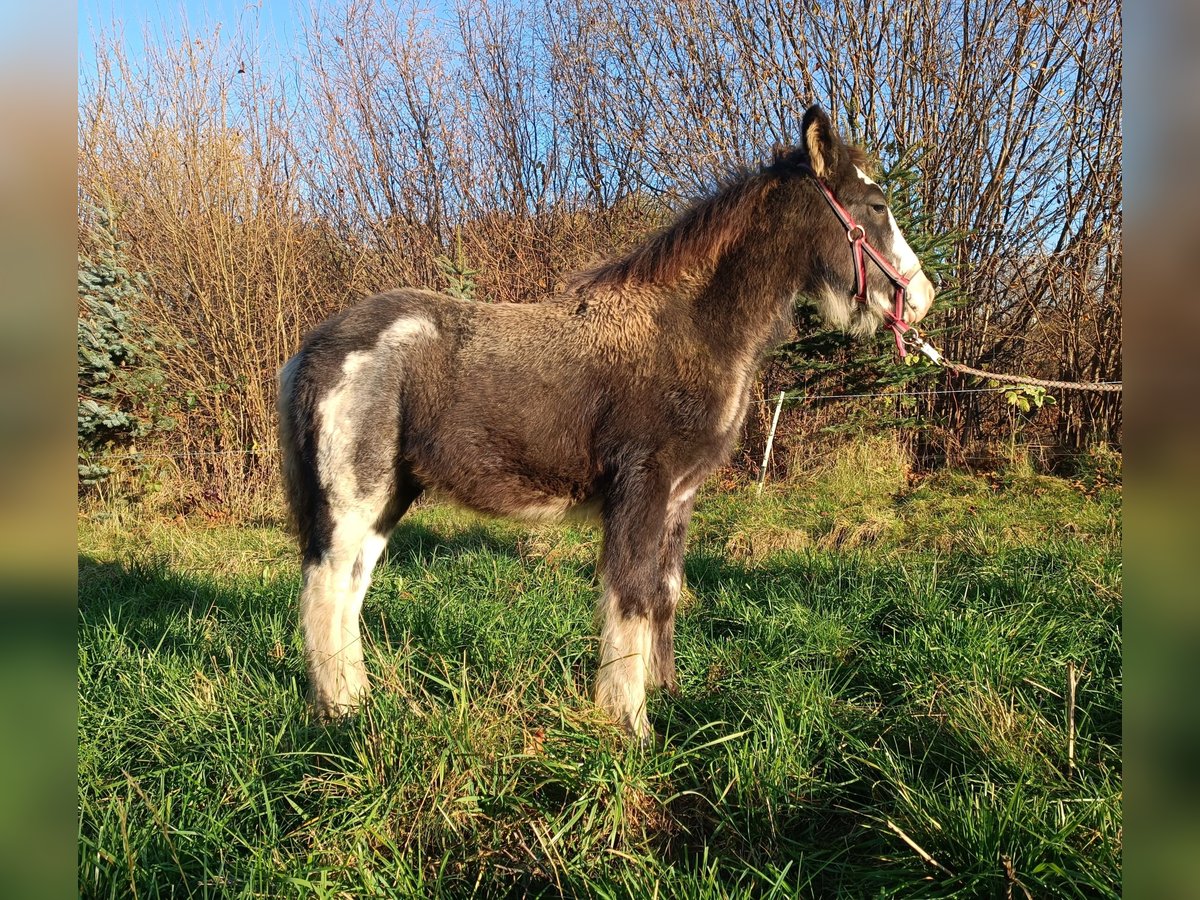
[{"x": 500, "y": 485}]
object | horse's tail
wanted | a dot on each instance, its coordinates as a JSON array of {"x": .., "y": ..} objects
[{"x": 299, "y": 482}]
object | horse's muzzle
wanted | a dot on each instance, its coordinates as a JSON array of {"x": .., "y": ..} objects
[{"x": 919, "y": 299}]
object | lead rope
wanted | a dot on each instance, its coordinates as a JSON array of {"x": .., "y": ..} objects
[{"x": 914, "y": 339}]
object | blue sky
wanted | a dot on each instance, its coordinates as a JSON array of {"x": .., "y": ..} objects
[{"x": 275, "y": 21}]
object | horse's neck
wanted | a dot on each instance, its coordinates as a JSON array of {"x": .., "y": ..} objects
[{"x": 745, "y": 303}]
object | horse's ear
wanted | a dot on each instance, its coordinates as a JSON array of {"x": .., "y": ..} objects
[{"x": 820, "y": 141}]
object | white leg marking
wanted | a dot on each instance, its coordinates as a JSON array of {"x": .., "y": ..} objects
[
  {"x": 330, "y": 599},
  {"x": 624, "y": 666},
  {"x": 322, "y": 597},
  {"x": 354, "y": 671},
  {"x": 333, "y": 590}
]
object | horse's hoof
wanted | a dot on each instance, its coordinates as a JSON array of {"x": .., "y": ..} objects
[
  {"x": 332, "y": 712},
  {"x": 640, "y": 732}
]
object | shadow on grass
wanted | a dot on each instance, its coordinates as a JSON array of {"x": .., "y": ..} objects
[
  {"x": 147, "y": 590},
  {"x": 173, "y": 614},
  {"x": 164, "y": 611},
  {"x": 167, "y": 610},
  {"x": 181, "y": 625},
  {"x": 414, "y": 544}
]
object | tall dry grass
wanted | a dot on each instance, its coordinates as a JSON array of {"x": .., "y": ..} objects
[{"x": 531, "y": 137}]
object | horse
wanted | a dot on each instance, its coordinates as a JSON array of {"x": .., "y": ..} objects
[{"x": 613, "y": 399}]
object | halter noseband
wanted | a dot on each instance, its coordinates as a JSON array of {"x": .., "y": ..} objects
[{"x": 862, "y": 248}]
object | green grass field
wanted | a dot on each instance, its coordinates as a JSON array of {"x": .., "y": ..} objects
[{"x": 873, "y": 675}]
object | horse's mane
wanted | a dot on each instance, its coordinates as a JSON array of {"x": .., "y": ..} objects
[
  {"x": 708, "y": 226},
  {"x": 703, "y": 231}
]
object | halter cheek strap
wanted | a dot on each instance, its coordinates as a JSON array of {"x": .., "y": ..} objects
[{"x": 862, "y": 249}]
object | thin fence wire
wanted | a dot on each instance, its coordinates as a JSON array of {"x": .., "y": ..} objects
[
  {"x": 154, "y": 454},
  {"x": 801, "y": 395}
]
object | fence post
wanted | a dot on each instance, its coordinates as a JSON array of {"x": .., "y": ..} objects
[{"x": 762, "y": 478}]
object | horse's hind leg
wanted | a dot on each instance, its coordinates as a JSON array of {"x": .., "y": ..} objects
[
  {"x": 373, "y": 544},
  {"x": 331, "y": 598},
  {"x": 333, "y": 577},
  {"x": 354, "y": 670}
]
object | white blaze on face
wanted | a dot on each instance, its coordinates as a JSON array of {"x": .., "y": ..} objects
[
  {"x": 905, "y": 260},
  {"x": 920, "y": 290}
]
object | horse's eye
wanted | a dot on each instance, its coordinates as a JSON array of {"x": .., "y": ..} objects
[{"x": 879, "y": 208}]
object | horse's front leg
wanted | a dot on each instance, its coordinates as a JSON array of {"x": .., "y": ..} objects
[
  {"x": 631, "y": 567},
  {"x": 662, "y": 657}
]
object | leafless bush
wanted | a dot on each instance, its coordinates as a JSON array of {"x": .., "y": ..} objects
[
  {"x": 533, "y": 137},
  {"x": 189, "y": 149}
]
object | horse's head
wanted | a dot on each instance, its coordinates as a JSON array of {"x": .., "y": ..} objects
[{"x": 855, "y": 240}]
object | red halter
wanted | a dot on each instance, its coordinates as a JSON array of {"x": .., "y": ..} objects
[{"x": 862, "y": 249}]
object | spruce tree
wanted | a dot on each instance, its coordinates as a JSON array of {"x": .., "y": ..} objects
[{"x": 119, "y": 373}]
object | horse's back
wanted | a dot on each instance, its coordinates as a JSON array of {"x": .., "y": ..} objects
[{"x": 507, "y": 408}]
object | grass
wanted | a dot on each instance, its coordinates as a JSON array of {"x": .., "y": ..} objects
[{"x": 872, "y": 672}]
